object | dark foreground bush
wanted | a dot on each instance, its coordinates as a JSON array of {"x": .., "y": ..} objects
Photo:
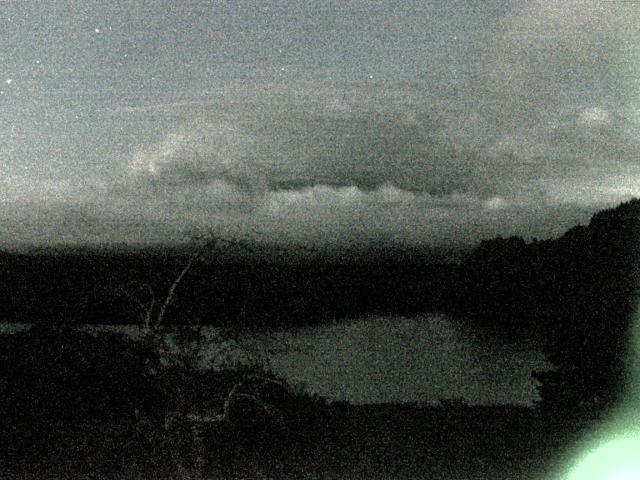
[
  {"x": 103, "y": 402},
  {"x": 57, "y": 380}
]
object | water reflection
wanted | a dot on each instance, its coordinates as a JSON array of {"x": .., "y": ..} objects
[{"x": 418, "y": 359}]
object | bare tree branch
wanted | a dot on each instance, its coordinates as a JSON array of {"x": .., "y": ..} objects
[
  {"x": 172, "y": 289},
  {"x": 147, "y": 319}
]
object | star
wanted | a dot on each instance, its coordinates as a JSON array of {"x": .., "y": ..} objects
[
  {"x": 8, "y": 81},
  {"x": 97, "y": 30}
]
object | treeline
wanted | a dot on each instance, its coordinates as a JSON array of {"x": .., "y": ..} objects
[{"x": 220, "y": 289}]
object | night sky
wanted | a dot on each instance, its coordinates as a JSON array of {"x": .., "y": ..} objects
[{"x": 414, "y": 122}]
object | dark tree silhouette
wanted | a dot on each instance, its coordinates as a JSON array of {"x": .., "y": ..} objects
[
  {"x": 590, "y": 341},
  {"x": 57, "y": 382}
]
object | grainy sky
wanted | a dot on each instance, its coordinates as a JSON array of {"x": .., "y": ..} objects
[{"x": 325, "y": 122}]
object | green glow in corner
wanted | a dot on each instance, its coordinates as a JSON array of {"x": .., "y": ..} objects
[
  {"x": 612, "y": 450},
  {"x": 617, "y": 459}
]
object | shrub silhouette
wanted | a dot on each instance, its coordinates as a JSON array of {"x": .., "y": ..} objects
[{"x": 56, "y": 380}]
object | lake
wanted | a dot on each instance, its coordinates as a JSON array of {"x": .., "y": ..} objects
[{"x": 418, "y": 359}]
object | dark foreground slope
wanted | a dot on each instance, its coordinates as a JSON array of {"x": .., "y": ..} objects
[
  {"x": 77, "y": 405},
  {"x": 391, "y": 442}
]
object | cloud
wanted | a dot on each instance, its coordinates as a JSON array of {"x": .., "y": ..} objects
[
  {"x": 540, "y": 127},
  {"x": 363, "y": 136},
  {"x": 401, "y": 171},
  {"x": 321, "y": 215},
  {"x": 595, "y": 116},
  {"x": 200, "y": 151}
]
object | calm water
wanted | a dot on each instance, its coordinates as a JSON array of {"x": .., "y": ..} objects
[{"x": 421, "y": 359}]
